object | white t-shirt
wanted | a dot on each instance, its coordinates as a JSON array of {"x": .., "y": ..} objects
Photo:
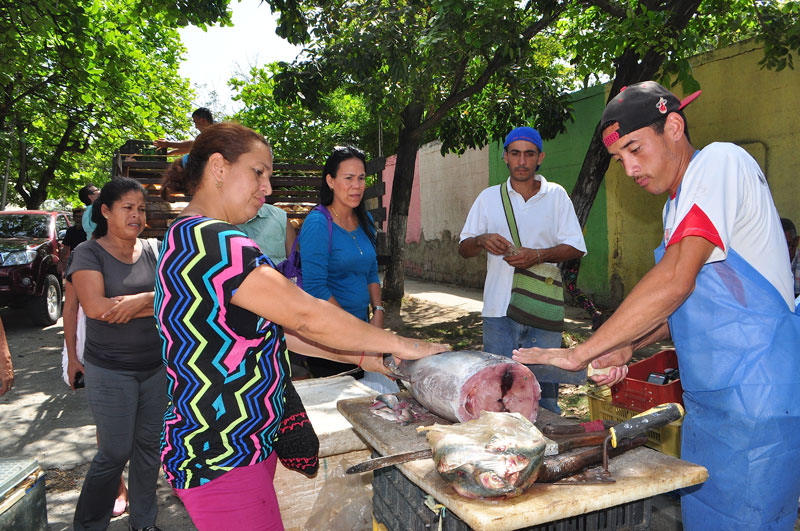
[
  {"x": 724, "y": 197},
  {"x": 545, "y": 220}
]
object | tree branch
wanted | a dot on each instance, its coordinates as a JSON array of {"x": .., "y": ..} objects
[
  {"x": 58, "y": 152},
  {"x": 494, "y": 65},
  {"x": 608, "y": 7},
  {"x": 22, "y": 173},
  {"x": 462, "y": 68},
  {"x": 7, "y": 107}
]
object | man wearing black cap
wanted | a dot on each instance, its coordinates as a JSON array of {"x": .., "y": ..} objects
[
  {"x": 522, "y": 266},
  {"x": 722, "y": 289}
]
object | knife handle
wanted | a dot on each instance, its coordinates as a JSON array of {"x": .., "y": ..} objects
[{"x": 655, "y": 417}]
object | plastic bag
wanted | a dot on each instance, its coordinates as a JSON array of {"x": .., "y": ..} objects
[
  {"x": 343, "y": 504},
  {"x": 495, "y": 455}
]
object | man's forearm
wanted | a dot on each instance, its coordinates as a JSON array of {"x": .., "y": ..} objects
[
  {"x": 641, "y": 318},
  {"x": 559, "y": 253},
  {"x": 659, "y": 333},
  {"x": 470, "y": 247}
]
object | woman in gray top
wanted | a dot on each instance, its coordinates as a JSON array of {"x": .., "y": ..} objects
[{"x": 114, "y": 277}]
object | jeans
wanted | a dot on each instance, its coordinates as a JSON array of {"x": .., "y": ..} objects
[
  {"x": 128, "y": 409},
  {"x": 501, "y": 335}
]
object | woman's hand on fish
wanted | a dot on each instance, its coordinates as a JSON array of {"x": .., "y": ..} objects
[
  {"x": 373, "y": 362},
  {"x": 414, "y": 349},
  {"x": 563, "y": 358}
]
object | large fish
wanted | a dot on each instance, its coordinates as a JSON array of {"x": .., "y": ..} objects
[
  {"x": 498, "y": 454},
  {"x": 458, "y": 385}
]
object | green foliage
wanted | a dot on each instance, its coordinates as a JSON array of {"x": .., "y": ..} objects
[
  {"x": 80, "y": 78},
  {"x": 459, "y": 71},
  {"x": 294, "y": 131},
  {"x": 473, "y": 68},
  {"x": 599, "y": 36},
  {"x": 781, "y": 36},
  {"x": 199, "y": 13}
]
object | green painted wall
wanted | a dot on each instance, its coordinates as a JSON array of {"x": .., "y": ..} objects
[
  {"x": 563, "y": 159},
  {"x": 498, "y": 172}
]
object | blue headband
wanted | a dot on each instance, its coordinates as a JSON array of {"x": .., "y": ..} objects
[
  {"x": 184, "y": 160},
  {"x": 524, "y": 133}
]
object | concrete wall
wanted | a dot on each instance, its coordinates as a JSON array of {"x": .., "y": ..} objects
[
  {"x": 414, "y": 228},
  {"x": 448, "y": 187}
]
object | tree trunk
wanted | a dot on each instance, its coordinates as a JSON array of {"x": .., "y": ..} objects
[
  {"x": 408, "y": 146},
  {"x": 38, "y": 194},
  {"x": 595, "y": 164}
]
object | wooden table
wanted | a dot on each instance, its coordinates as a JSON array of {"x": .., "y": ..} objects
[{"x": 640, "y": 473}]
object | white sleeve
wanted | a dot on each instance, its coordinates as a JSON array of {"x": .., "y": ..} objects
[
  {"x": 569, "y": 228},
  {"x": 477, "y": 221},
  {"x": 711, "y": 196}
]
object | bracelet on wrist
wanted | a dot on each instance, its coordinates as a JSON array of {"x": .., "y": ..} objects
[
  {"x": 362, "y": 359},
  {"x": 378, "y": 308}
]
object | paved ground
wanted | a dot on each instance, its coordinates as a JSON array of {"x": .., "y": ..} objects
[{"x": 43, "y": 419}]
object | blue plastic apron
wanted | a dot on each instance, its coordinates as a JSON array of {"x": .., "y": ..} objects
[{"x": 738, "y": 347}]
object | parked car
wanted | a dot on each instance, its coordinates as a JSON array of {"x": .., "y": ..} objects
[{"x": 30, "y": 252}]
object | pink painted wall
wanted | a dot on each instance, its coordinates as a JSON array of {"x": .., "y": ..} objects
[{"x": 414, "y": 230}]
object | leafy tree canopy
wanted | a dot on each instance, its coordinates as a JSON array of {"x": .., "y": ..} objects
[
  {"x": 464, "y": 71},
  {"x": 200, "y": 13},
  {"x": 483, "y": 61},
  {"x": 296, "y": 132},
  {"x": 78, "y": 78}
]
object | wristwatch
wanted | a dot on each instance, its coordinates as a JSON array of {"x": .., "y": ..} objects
[{"x": 379, "y": 307}]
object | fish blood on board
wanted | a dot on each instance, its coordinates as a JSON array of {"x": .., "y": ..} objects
[{"x": 459, "y": 385}]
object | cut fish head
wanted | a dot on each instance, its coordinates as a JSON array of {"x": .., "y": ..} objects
[{"x": 496, "y": 455}]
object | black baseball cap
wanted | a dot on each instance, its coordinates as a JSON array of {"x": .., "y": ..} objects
[{"x": 638, "y": 106}]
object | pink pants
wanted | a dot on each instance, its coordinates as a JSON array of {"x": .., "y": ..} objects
[{"x": 242, "y": 499}]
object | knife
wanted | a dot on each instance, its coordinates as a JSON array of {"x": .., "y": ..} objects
[{"x": 552, "y": 447}]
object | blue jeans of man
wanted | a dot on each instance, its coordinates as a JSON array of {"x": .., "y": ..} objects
[{"x": 501, "y": 335}]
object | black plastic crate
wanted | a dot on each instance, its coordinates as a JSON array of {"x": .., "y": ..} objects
[{"x": 399, "y": 505}]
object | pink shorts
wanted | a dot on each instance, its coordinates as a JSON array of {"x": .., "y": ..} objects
[{"x": 243, "y": 498}]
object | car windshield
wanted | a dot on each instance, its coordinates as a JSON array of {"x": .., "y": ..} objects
[{"x": 24, "y": 226}]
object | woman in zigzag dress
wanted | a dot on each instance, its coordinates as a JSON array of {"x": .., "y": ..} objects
[{"x": 221, "y": 309}]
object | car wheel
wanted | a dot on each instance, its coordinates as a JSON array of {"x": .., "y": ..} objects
[{"x": 46, "y": 309}]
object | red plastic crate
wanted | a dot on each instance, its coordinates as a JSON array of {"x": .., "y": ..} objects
[{"x": 635, "y": 392}]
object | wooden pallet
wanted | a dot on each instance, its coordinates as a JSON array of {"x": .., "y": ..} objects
[{"x": 295, "y": 188}]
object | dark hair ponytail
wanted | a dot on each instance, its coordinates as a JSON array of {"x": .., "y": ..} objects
[
  {"x": 229, "y": 139},
  {"x": 339, "y": 155},
  {"x": 111, "y": 192}
]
